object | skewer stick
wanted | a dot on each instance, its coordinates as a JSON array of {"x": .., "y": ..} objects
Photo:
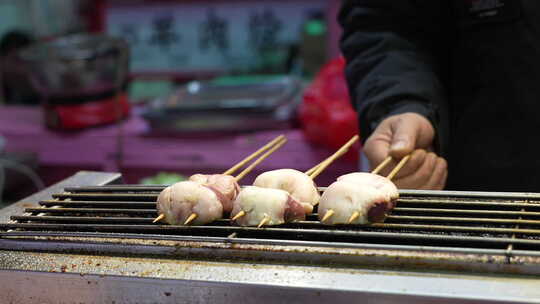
[
  {"x": 310, "y": 171},
  {"x": 354, "y": 216},
  {"x": 159, "y": 218},
  {"x": 322, "y": 166},
  {"x": 334, "y": 156},
  {"x": 381, "y": 166},
  {"x": 400, "y": 165},
  {"x": 327, "y": 215},
  {"x": 239, "y": 215},
  {"x": 263, "y": 222},
  {"x": 253, "y": 155},
  {"x": 190, "y": 218},
  {"x": 260, "y": 159}
]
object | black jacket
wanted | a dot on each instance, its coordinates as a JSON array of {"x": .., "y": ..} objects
[{"x": 472, "y": 67}]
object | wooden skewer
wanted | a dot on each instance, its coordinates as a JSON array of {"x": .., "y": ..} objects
[
  {"x": 354, "y": 216},
  {"x": 239, "y": 215},
  {"x": 310, "y": 171},
  {"x": 381, "y": 166},
  {"x": 318, "y": 169},
  {"x": 263, "y": 222},
  {"x": 159, "y": 218},
  {"x": 400, "y": 165},
  {"x": 327, "y": 215},
  {"x": 260, "y": 159},
  {"x": 335, "y": 156},
  {"x": 329, "y": 158},
  {"x": 253, "y": 155},
  {"x": 190, "y": 218}
]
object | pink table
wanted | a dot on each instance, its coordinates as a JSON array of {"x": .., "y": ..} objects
[{"x": 61, "y": 154}]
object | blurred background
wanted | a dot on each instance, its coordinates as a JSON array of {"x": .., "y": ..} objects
[{"x": 159, "y": 90}]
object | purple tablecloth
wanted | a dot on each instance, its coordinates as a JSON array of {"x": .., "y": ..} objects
[{"x": 62, "y": 153}]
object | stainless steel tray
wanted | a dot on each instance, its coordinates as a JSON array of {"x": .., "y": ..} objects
[{"x": 202, "y": 106}]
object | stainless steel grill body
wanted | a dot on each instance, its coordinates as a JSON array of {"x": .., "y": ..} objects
[{"x": 444, "y": 246}]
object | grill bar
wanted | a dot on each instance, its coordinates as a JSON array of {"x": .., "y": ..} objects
[
  {"x": 463, "y": 220},
  {"x": 98, "y": 204},
  {"x": 83, "y": 219},
  {"x": 467, "y": 212},
  {"x": 108, "y": 196},
  {"x": 227, "y": 230},
  {"x": 288, "y": 242},
  {"x": 390, "y": 218},
  {"x": 91, "y": 210},
  {"x": 442, "y": 203},
  {"x": 472, "y": 203},
  {"x": 117, "y": 188},
  {"x": 447, "y": 228},
  {"x": 164, "y": 228},
  {"x": 403, "y": 193},
  {"x": 112, "y": 195},
  {"x": 471, "y": 194}
]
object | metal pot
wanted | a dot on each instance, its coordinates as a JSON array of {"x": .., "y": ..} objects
[{"x": 77, "y": 65}]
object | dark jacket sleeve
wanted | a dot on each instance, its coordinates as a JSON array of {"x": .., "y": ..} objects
[{"x": 395, "y": 55}]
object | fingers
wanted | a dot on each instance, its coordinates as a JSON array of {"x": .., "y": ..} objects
[
  {"x": 442, "y": 184},
  {"x": 410, "y": 131},
  {"x": 377, "y": 146},
  {"x": 438, "y": 178},
  {"x": 424, "y": 170},
  {"x": 397, "y": 136},
  {"x": 416, "y": 160},
  {"x": 376, "y": 151},
  {"x": 430, "y": 175},
  {"x": 404, "y": 136},
  {"x": 418, "y": 157}
]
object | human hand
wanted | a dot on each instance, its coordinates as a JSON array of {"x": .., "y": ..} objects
[{"x": 404, "y": 134}]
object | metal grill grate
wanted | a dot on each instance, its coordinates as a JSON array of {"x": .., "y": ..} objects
[{"x": 472, "y": 221}]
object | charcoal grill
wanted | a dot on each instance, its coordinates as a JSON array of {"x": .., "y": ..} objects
[{"x": 97, "y": 238}]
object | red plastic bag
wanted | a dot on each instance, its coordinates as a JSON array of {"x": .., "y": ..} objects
[{"x": 326, "y": 113}]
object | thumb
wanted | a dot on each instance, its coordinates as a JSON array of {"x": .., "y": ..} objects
[{"x": 404, "y": 134}]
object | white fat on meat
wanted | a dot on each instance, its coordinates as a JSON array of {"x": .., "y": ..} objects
[
  {"x": 345, "y": 198},
  {"x": 296, "y": 183},
  {"x": 225, "y": 186},
  {"x": 178, "y": 201},
  {"x": 381, "y": 183},
  {"x": 259, "y": 203}
]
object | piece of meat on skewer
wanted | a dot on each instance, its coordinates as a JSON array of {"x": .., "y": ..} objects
[
  {"x": 179, "y": 201},
  {"x": 266, "y": 206},
  {"x": 367, "y": 191},
  {"x": 381, "y": 183},
  {"x": 350, "y": 204},
  {"x": 299, "y": 184},
  {"x": 225, "y": 185},
  {"x": 296, "y": 183}
]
